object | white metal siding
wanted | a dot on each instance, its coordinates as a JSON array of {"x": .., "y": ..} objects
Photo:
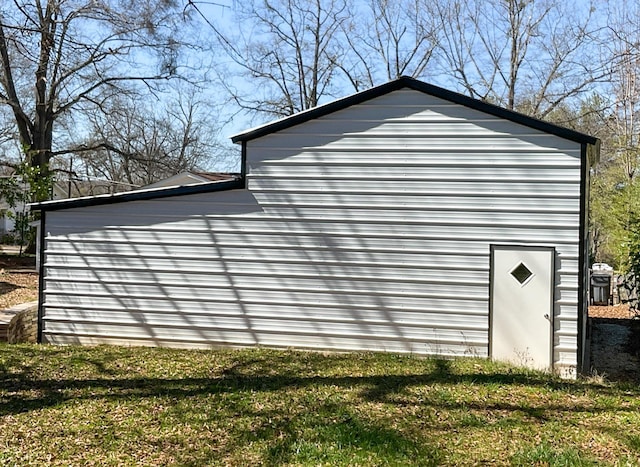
[{"x": 366, "y": 229}]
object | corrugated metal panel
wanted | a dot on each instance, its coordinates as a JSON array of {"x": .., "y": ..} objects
[
  {"x": 499, "y": 156},
  {"x": 538, "y": 188},
  {"x": 390, "y": 230},
  {"x": 366, "y": 229}
]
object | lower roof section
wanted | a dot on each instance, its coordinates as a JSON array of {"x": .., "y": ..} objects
[{"x": 138, "y": 195}]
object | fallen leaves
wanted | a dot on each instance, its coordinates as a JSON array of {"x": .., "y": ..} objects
[
  {"x": 615, "y": 311},
  {"x": 17, "y": 287}
]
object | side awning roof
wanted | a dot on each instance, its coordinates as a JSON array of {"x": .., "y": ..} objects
[{"x": 138, "y": 195}]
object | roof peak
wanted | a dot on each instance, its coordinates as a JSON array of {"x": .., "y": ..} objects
[{"x": 417, "y": 85}]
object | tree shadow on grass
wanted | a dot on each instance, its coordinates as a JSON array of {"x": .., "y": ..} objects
[
  {"x": 24, "y": 391},
  {"x": 343, "y": 434},
  {"x": 254, "y": 404}
]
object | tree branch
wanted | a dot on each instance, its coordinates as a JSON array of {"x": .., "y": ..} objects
[{"x": 25, "y": 127}]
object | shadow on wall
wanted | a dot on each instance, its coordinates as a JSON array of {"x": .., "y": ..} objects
[
  {"x": 124, "y": 274},
  {"x": 151, "y": 212},
  {"x": 174, "y": 266}
]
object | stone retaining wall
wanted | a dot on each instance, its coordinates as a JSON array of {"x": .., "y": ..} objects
[{"x": 23, "y": 327}]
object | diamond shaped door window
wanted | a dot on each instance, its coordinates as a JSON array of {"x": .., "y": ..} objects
[{"x": 521, "y": 273}]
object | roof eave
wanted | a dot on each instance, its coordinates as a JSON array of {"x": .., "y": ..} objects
[{"x": 138, "y": 195}]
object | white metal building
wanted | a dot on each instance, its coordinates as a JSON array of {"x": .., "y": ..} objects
[{"x": 404, "y": 218}]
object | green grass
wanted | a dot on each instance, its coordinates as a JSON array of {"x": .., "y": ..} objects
[{"x": 138, "y": 406}]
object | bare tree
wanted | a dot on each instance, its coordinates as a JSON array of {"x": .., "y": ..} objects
[
  {"x": 287, "y": 48},
  {"x": 137, "y": 143},
  {"x": 529, "y": 55},
  {"x": 60, "y": 56},
  {"x": 387, "y": 39},
  {"x": 616, "y": 181}
]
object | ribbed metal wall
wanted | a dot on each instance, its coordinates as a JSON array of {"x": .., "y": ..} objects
[{"x": 367, "y": 229}]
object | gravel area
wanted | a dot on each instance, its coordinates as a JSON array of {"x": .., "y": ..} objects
[
  {"x": 615, "y": 343},
  {"x": 616, "y": 312}
]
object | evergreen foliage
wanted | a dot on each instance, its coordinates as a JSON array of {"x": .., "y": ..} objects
[{"x": 27, "y": 184}]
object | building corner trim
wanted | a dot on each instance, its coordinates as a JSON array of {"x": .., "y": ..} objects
[
  {"x": 587, "y": 158},
  {"x": 42, "y": 236}
]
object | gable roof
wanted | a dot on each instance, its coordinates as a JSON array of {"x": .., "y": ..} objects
[
  {"x": 412, "y": 83},
  {"x": 237, "y": 181}
]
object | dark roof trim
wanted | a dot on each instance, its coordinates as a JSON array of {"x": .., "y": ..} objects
[
  {"x": 216, "y": 176},
  {"x": 138, "y": 195},
  {"x": 407, "y": 82}
]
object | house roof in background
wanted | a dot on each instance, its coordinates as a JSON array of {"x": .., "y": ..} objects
[
  {"x": 190, "y": 178},
  {"x": 412, "y": 83},
  {"x": 76, "y": 188},
  {"x": 217, "y": 176}
]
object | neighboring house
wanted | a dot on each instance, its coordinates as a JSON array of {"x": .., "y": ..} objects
[
  {"x": 7, "y": 212},
  {"x": 77, "y": 188},
  {"x": 404, "y": 218},
  {"x": 60, "y": 190},
  {"x": 7, "y": 223},
  {"x": 192, "y": 178}
]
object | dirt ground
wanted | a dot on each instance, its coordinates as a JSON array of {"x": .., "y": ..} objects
[
  {"x": 18, "y": 280},
  {"x": 615, "y": 343},
  {"x": 17, "y": 262}
]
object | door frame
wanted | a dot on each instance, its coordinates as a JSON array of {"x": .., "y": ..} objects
[{"x": 552, "y": 249}]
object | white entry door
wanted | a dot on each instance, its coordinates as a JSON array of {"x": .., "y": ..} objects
[{"x": 521, "y": 305}]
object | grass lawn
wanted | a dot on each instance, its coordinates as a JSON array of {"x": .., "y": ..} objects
[{"x": 138, "y": 406}]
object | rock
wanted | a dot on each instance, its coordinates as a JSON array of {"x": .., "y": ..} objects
[
  {"x": 23, "y": 327},
  {"x": 628, "y": 291}
]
